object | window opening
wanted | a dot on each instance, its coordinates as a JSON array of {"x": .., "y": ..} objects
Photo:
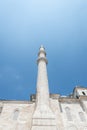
[
  {"x": 16, "y": 113},
  {"x": 68, "y": 113},
  {"x": 83, "y": 93},
  {"x": 82, "y": 117}
]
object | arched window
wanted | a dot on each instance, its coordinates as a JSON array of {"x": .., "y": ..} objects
[
  {"x": 15, "y": 115},
  {"x": 68, "y": 113},
  {"x": 82, "y": 117}
]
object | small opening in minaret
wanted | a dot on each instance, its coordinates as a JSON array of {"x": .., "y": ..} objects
[{"x": 83, "y": 93}]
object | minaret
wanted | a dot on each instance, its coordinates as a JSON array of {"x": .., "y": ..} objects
[
  {"x": 42, "y": 96},
  {"x": 43, "y": 118}
]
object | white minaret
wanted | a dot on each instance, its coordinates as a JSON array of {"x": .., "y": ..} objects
[
  {"x": 42, "y": 96},
  {"x": 43, "y": 118}
]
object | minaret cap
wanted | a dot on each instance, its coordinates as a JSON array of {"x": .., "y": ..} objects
[
  {"x": 42, "y": 54},
  {"x": 42, "y": 48}
]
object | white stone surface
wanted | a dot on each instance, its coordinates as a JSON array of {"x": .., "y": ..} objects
[
  {"x": 43, "y": 117},
  {"x": 60, "y": 122},
  {"x": 80, "y": 91},
  {"x": 42, "y": 79},
  {"x": 24, "y": 119}
]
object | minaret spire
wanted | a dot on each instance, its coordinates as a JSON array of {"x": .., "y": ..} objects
[{"x": 42, "y": 78}]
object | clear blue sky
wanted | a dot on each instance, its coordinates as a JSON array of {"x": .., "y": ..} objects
[{"x": 61, "y": 26}]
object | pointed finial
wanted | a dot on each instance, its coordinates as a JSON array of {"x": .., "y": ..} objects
[{"x": 42, "y": 47}]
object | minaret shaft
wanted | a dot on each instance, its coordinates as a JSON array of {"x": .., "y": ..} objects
[
  {"x": 42, "y": 79},
  {"x": 42, "y": 84}
]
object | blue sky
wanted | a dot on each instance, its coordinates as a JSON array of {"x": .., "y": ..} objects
[{"x": 61, "y": 26}]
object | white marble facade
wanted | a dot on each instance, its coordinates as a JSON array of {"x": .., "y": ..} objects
[
  {"x": 18, "y": 115},
  {"x": 45, "y": 111}
]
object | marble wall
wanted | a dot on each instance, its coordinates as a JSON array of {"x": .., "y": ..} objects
[{"x": 69, "y": 115}]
